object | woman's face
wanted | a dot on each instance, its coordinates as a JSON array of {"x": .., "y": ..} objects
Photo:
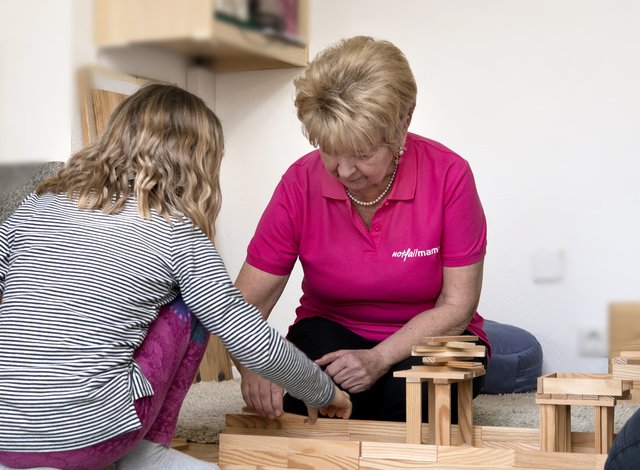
[{"x": 360, "y": 172}]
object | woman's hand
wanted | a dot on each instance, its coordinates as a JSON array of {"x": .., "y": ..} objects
[
  {"x": 355, "y": 370},
  {"x": 340, "y": 407},
  {"x": 263, "y": 396}
]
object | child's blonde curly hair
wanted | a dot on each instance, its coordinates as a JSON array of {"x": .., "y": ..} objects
[{"x": 164, "y": 146}]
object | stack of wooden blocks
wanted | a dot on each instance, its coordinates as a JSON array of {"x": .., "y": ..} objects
[
  {"x": 558, "y": 392},
  {"x": 626, "y": 366},
  {"x": 446, "y": 360}
]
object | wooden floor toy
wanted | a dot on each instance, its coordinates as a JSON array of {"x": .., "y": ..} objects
[
  {"x": 557, "y": 392},
  {"x": 252, "y": 442},
  {"x": 447, "y": 360}
]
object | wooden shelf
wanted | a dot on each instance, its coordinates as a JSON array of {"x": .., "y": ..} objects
[{"x": 190, "y": 27}]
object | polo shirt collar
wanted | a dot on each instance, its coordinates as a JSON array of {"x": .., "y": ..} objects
[{"x": 404, "y": 186}]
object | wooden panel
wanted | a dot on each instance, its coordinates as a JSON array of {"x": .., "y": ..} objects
[
  {"x": 443, "y": 414},
  {"x": 256, "y": 450},
  {"x": 580, "y": 384},
  {"x": 510, "y": 438},
  {"x": 624, "y": 327},
  {"x": 104, "y": 103},
  {"x": 414, "y": 412},
  {"x": 624, "y": 333},
  {"x": 465, "y": 411},
  {"x": 558, "y": 461},
  {"x": 321, "y": 454},
  {"x": 120, "y": 22},
  {"x": 406, "y": 452}
]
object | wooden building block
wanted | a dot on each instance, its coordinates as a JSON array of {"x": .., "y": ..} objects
[
  {"x": 442, "y": 423},
  {"x": 604, "y": 420},
  {"x": 319, "y": 454},
  {"x": 624, "y": 327},
  {"x": 465, "y": 411},
  {"x": 445, "y": 339},
  {"x": 575, "y": 400},
  {"x": 626, "y": 371},
  {"x": 414, "y": 412},
  {"x": 581, "y": 384},
  {"x": 407, "y": 452},
  {"x": 265, "y": 451},
  {"x": 453, "y": 353}
]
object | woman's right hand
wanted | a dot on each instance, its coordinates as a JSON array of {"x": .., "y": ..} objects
[{"x": 263, "y": 396}]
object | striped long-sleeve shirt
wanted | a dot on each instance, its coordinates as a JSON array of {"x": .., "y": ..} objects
[{"x": 80, "y": 289}]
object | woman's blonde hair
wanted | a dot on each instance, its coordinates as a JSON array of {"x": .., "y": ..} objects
[
  {"x": 163, "y": 146},
  {"x": 355, "y": 96}
]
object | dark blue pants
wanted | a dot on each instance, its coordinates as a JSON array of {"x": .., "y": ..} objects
[
  {"x": 386, "y": 400},
  {"x": 625, "y": 451}
]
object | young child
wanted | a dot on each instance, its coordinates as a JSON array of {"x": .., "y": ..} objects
[{"x": 93, "y": 368}]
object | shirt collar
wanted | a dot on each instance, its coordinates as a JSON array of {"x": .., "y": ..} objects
[{"x": 404, "y": 186}]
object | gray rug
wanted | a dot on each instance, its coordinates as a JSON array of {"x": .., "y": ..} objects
[{"x": 202, "y": 415}]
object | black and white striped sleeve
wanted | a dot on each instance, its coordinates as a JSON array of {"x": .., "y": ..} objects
[{"x": 207, "y": 289}]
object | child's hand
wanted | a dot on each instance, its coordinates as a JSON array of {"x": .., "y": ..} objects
[{"x": 340, "y": 407}]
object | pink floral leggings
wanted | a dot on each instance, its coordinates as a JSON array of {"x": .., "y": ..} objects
[{"x": 169, "y": 358}]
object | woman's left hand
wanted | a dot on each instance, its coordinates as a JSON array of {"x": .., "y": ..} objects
[{"x": 355, "y": 370}]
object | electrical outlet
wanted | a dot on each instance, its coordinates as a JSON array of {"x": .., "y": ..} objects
[{"x": 592, "y": 342}]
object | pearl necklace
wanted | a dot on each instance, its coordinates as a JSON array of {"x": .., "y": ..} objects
[{"x": 379, "y": 198}]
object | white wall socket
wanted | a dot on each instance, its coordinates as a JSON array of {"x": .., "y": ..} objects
[{"x": 592, "y": 342}]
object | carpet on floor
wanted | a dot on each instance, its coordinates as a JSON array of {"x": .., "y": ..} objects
[{"x": 202, "y": 417}]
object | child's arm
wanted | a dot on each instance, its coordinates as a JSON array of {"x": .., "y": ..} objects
[{"x": 208, "y": 291}]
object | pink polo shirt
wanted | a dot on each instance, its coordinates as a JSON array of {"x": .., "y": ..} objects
[{"x": 373, "y": 282}]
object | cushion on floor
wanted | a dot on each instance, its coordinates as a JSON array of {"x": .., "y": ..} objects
[{"x": 516, "y": 362}]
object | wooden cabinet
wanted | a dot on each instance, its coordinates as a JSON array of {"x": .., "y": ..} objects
[{"x": 193, "y": 28}]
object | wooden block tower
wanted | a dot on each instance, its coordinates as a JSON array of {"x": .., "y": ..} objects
[
  {"x": 447, "y": 360},
  {"x": 557, "y": 392}
]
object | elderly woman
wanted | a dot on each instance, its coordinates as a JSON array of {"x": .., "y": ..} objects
[{"x": 387, "y": 225}]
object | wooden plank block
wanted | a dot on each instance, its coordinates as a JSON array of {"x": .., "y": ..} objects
[
  {"x": 288, "y": 424},
  {"x": 459, "y": 354},
  {"x": 556, "y": 461},
  {"x": 626, "y": 371},
  {"x": 445, "y": 339},
  {"x": 476, "y": 456},
  {"x": 529, "y": 437},
  {"x": 414, "y": 412},
  {"x": 431, "y": 404},
  {"x": 603, "y": 429},
  {"x": 443, "y": 414},
  {"x": 586, "y": 400},
  {"x": 364, "y": 430},
  {"x": 393, "y": 464},
  {"x": 323, "y": 454},
  {"x": 548, "y": 428},
  {"x": 428, "y": 372},
  {"x": 458, "y": 366},
  {"x": 563, "y": 433},
  {"x": 465, "y": 365},
  {"x": 408, "y": 452},
  {"x": 630, "y": 354},
  {"x": 581, "y": 384},
  {"x": 460, "y": 345},
  {"x": 583, "y": 442},
  {"x": 253, "y": 450},
  {"x": 427, "y": 350},
  {"x": 465, "y": 411}
]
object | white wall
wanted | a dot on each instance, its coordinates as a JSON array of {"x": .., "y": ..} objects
[
  {"x": 540, "y": 96},
  {"x": 35, "y": 80}
]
